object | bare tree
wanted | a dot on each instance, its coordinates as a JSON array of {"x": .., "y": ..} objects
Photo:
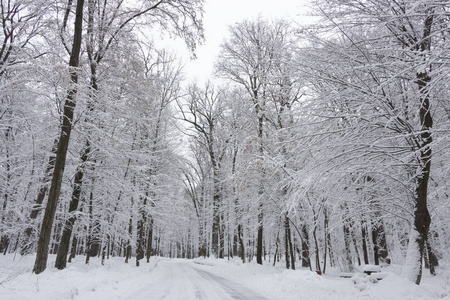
[
  {"x": 248, "y": 58},
  {"x": 60, "y": 159},
  {"x": 401, "y": 83}
]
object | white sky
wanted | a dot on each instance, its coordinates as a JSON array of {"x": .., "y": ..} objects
[{"x": 219, "y": 14}]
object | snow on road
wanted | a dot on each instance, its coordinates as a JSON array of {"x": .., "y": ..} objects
[
  {"x": 180, "y": 279},
  {"x": 215, "y": 279}
]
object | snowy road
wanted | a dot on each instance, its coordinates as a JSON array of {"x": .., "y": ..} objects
[{"x": 183, "y": 280}]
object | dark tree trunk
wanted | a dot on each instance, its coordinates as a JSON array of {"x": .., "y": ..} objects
[
  {"x": 286, "y": 241},
  {"x": 235, "y": 245},
  {"x": 64, "y": 244},
  {"x": 375, "y": 245},
  {"x": 326, "y": 238},
  {"x": 306, "y": 263},
  {"x": 90, "y": 246},
  {"x": 355, "y": 244},
  {"x": 364, "y": 243},
  {"x": 140, "y": 243},
  {"x": 4, "y": 244},
  {"x": 277, "y": 242},
  {"x": 215, "y": 247},
  {"x": 431, "y": 259},
  {"x": 5, "y": 239},
  {"x": 239, "y": 235},
  {"x": 290, "y": 255},
  {"x": 422, "y": 219},
  {"x": 222, "y": 237},
  {"x": 104, "y": 248},
  {"x": 60, "y": 160},
  {"x": 330, "y": 249},
  {"x": 149, "y": 239},
  {"x": 382, "y": 245},
  {"x": 241, "y": 244},
  {"x": 73, "y": 249},
  {"x": 27, "y": 243},
  {"x": 347, "y": 246},
  {"x": 259, "y": 245},
  {"x": 88, "y": 249},
  {"x": 379, "y": 243},
  {"x": 291, "y": 249},
  {"x": 96, "y": 243},
  {"x": 128, "y": 247}
]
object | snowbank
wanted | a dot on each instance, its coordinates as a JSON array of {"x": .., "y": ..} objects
[{"x": 117, "y": 280}]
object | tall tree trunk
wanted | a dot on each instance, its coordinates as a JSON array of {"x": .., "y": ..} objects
[
  {"x": 60, "y": 161},
  {"x": 73, "y": 250},
  {"x": 286, "y": 241},
  {"x": 237, "y": 212},
  {"x": 326, "y": 238},
  {"x": 241, "y": 244},
  {"x": 215, "y": 247},
  {"x": 364, "y": 242},
  {"x": 27, "y": 243},
  {"x": 422, "y": 219},
  {"x": 128, "y": 247},
  {"x": 222, "y": 236},
  {"x": 277, "y": 242},
  {"x": 90, "y": 236},
  {"x": 317, "y": 254},
  {"x": 306, "y": 263},
  {"x": 291, "y": 249},
  {"x": 140, "y": 242},
  {"x": 431, "y": 259},
  {"x": 347, "y": 246},
  {"x": 259, "y": 244},
  {"x": 149, "y": 239},
  {"x": 380, "y": 251},
  {"x": 5, "y": 239},
  {"x": 63, "y": 248},
  {"x": 355, "y": 244}
]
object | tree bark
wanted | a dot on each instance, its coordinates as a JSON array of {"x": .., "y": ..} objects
[
  {"x": 422, "y": 219},
  {"x": 347, "y": 243},
  {"x": 432, "y": 260},
  {"x": 73, "y": 250},
  {"x": 306, "y": 262},
  {"x": 64, "y": 245},
  {"x": 61, "y": 153},
  {"x": 364, "y": 242},
  {"x": 140, "y": 242},
  {"x": 259, "y": 245},
  {"x": 26, "y": 243},
  {"x": 286, "y": 241},
  {"x": 149, "y": 239}
]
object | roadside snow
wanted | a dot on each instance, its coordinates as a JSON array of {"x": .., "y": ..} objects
[
  {"x": 117, "y": 280},
  {"x": 279, "y": 283}
]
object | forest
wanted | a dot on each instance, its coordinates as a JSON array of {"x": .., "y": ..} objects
[{"x": 313, "y": 146}]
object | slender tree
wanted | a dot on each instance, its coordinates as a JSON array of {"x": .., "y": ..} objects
[{"x": 60, "y": 159}]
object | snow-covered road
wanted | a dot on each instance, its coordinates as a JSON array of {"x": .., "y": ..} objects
[
  {"x": 185, "y": 280},
  {"x": 215, "y": 279}
]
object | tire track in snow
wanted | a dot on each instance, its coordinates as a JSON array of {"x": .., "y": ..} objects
[{"x": 175, "y": 279}]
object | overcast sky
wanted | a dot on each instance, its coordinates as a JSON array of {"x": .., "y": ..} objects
[{"x": 219, "y": 14}]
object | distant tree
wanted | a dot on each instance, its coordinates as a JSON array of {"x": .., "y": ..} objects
[
  {"x": 203, "y": 110},
  {"x": 248, "y": 59}
]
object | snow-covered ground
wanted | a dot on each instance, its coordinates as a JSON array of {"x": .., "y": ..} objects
[{"x": 203, "y": 279}]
